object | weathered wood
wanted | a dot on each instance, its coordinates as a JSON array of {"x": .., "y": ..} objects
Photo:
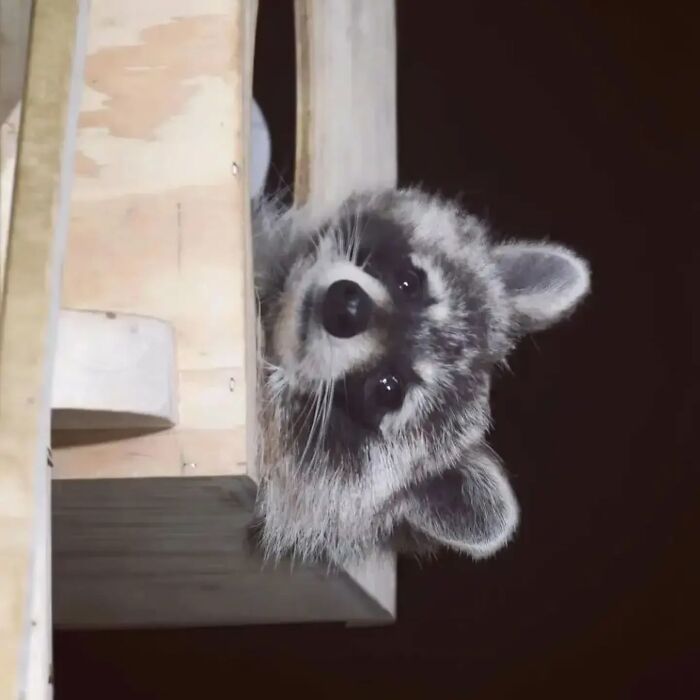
[
  {"x": 173, "y": 552},
  {"x": 346, "y": 99},
  {"x": 27, "y": 338}
]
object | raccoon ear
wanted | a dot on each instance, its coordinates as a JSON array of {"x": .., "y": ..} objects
[
  {"x": 544, "y": 282},
  {"x": 470, "y": 508}
]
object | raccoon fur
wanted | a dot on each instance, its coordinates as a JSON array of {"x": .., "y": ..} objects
[{"x": 381, "y": 326}]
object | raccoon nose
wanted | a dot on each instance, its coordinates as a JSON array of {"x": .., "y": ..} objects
[{"x": 346, "y": 309}]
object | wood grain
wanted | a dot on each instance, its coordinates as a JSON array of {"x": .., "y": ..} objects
[
  {"x": 174, "y": 552},
  {"x": 27, "y": 337},
  {"x": 346, "y": 99}
]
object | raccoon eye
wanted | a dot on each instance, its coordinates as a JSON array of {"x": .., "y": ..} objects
[
  {"x": 388, "y": 392},
  {"x": 410, "y": 281}
]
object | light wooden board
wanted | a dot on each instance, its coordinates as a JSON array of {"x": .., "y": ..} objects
[
  {"x": 27, "y": 339},
  {"x": 346, "y": 99},
  {"x": 39, "y": 677},
  {"x": 160, "y": 220}
]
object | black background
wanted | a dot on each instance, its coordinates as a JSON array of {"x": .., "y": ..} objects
[{"x": 575, "y": 121}]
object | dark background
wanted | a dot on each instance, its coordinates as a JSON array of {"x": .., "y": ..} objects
[{"x": 575, "y": 121}]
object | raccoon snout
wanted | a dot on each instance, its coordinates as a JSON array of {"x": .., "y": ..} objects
[{"x": 346, "y": 309}]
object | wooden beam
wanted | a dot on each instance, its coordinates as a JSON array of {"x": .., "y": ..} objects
[
  {"x": 346, "y": 99},
  {"x": 27, "y": 334},
  {"x": 184, "y": 561}
]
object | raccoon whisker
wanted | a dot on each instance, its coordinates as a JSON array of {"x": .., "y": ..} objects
[
  {"x": 304, "y": 414},
  {"x": 342, "y": 241},
  {"x": 328, "y": 399},
  {"x": 318, "y": 394},
  {"x": 316, "y": 434},
  {"x": 356, "y": 236},
  {"x": 326, "y": 406}
]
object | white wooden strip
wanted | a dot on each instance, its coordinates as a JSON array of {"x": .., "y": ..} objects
[
  {"x": 27, "y": 336},
  {"x": 346, "y": 99},
  {"x": 9, "y": 132}
]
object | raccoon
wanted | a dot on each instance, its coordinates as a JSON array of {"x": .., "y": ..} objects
[{"x": 381, "y": 326}]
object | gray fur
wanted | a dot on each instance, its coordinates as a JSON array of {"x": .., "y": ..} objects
[{"x": 332, "y": 490}]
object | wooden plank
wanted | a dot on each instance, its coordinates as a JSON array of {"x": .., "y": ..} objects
[
  {"x": 346, "y": 99},
  {"x": 27, "y": 333},
  {"x": 174, "y": 552},
  {"x": 39, "y": 683},
  {"x": 160, "y": 219},
  {"x": 346, "y": 142}
]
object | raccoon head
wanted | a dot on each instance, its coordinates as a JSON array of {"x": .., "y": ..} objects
[{"x": 381, "y": 334}]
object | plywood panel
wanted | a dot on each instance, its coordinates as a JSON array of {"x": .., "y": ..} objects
[{"x": 160, "y": 218}]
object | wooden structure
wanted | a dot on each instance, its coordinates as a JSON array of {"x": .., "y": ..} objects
[{"x": 144, "y": 347}]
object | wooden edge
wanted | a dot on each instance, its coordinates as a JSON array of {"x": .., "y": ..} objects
[
  {"x": 377, "y": 578},
  {"x": 304, "y": 113},
  {"x": 9, "y": 133},
  {"x": 40, "y": 671},
  {"x": 28, "y": 319},
  {"x": 113, "y": 371},
  {"x": 252, "y": 331}
]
